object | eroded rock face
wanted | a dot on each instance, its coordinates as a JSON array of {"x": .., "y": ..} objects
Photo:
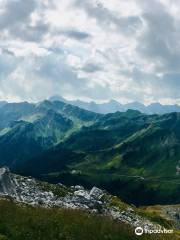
[
  {"x": 7, "y": 183},
  {"x": 29, "y": 191}
]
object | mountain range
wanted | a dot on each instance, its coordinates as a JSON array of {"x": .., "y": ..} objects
[
  {"x": 131, "y": 154},
  {"x": 114, "y": 106}
]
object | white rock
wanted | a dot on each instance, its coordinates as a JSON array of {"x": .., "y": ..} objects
[
  {"x": 96, "y": 193},
  {"x": 82, "y": 193}
]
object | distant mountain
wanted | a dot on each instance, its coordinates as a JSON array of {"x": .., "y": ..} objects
[
  {"x": 157, "y": 108},
  {"x": 114, "y": 106},
  {"x": 14, "y": 111},
  {"x": 137, "y": 106},
  {"x": 111, "y": 106}
]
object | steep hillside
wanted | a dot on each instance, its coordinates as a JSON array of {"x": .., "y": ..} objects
[
  {"x": 70, "y": 111},
  {"x": 110, "y": 130},
  {"x": 28, "y": 129},
  {"x": 132, "y": 155},
  {"x": 24, "y": 222}
]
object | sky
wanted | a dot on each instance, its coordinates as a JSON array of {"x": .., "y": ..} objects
[{"x": 127, "y": 50}]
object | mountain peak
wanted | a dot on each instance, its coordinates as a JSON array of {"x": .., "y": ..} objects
[
  {"x": 57, "y": 98},
  {"x": 44, "y": 104},
  {"x": 156, "y": 104},
  {"x": 112, "y": 106}
]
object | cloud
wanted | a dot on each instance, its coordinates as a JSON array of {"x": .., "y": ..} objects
[
  {"x": 15, "y": 20},
  {"x": 16, "y": 11},
  {"x": 78, "y": 35},
  {"x": 91, "y": 67},
  {"x": 90, "y": 49},
  {"x": 107, "y": 18},
  {"x": 160, "y": 40},
  {"x": 44, "y": 75}
]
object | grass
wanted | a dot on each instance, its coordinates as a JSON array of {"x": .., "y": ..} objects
[
  {"x": 116, "y": 202},
  {"x": 21, "y": 222},
  {"x": 57, "y": 190},
  {"x": 155, "y": 217}
]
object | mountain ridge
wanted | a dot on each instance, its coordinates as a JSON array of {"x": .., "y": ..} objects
[
  {"x": 115, "y": 150},
  {"x": 113, "y": 106},
  {"x": 58, "y": 142}
]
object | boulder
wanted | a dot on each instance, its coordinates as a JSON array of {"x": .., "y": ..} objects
[
  {"x": 82, "y": 193},
  {"x": 96, "y": 193}
]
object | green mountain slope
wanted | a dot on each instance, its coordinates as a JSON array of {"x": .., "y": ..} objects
[
  {"x": 132, "y": 155},
  {"x": 110, "y": 130},
  {"x": 28, "y": 129},
  {"x": 74, "y": 113}
]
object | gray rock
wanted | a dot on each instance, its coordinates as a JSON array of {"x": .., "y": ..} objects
[
  {"x": 83, "y": 194},
  {"x": 96, "y": 193}
]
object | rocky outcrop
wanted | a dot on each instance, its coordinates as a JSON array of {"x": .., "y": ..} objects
[
  {"x": 29, "y": 191},
  {"x": 8, "y": 186}
]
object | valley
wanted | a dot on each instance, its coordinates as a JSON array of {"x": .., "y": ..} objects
[{"x": 123, "y": 152}]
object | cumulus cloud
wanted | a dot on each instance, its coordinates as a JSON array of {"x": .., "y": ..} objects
[
  {"x": 16, "y": 22},
  {"x": 16, "y": 11},
  {"x": 107, "y": 18},
  {"x": 90, "y": 49}
]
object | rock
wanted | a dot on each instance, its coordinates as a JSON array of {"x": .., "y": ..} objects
[
  {"x": 7, "y": 183},
  {"x": 96, "y": 193},
  {"x": 77, "y": 187},
  {"x": 82, "y": 193},
  {"x": 131, "y": 210}
]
